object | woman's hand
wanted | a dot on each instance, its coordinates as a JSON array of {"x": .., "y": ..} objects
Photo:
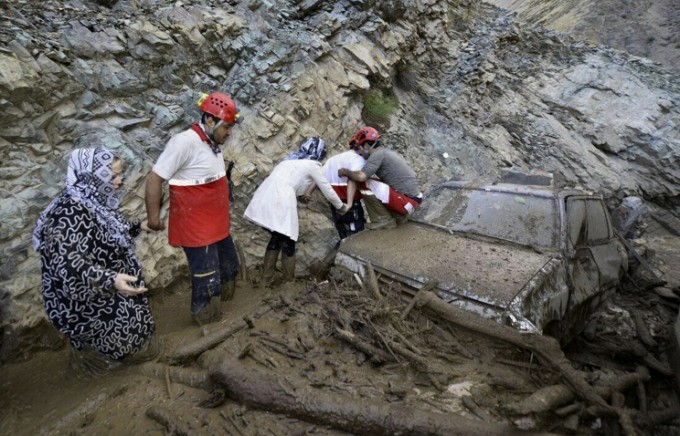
[
  {"x": 123, "y": 286},
  {"x": 343, "y": 210}
]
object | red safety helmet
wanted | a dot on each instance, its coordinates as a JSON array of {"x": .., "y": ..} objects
[
  {"x": 365, "y": 134},
  {"x": 219, "y": 105}
]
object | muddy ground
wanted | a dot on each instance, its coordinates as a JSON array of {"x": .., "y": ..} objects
[{"x": 296, "y": 368}]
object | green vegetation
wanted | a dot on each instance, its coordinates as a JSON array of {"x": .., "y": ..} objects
[{"x": 379, "y": 107}]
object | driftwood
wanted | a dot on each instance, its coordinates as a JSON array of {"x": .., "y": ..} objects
[
  {"x": 543, "y": 400},
  {"x": 79, "y": 415},
  {"x": 376, "y": 355},
  {"x": 472, "y": 406},
  {"x": 658, "y": 417},
  {"x": 169, "y": 420},
  {"x": 551, "y": 397},
  {"x": 196, "y": 378},
  {"x": 632, "y": 350},
  {"x": 642, "y": 330},
  {"x": 547, "y": 349},
  {"x": 211, "y": 340},
  {"x": 263, "y": 390},
  {"x": 426, "y": 287},
  {"x": 372, "y": 281}
]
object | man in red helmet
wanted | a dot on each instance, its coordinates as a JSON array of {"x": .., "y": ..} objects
[
  {"x": 193, "y": 164},
  {"x": 396, "y": 189}
]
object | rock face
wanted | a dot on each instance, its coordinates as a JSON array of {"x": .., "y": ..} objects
[
  {"x": 476, "y": 92},
  {"x": 646, "y": 28}
]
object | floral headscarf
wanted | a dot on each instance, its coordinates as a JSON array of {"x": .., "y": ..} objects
[
  {"x": 89, "y": 180},
  {"x": 313, "y": 148}
]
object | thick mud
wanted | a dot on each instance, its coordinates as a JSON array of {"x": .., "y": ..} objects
[{"x": 308, "y": 335}]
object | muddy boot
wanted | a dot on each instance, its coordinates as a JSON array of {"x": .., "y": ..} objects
[
  {"x": 228, "y": 289},
  {"x": 400, "y": 219},
  {"x": 203, "y": 316},
  {"x": 288, "y": 266},
  {"x": 270, "y": 257},
  {"x": 215, "y": 309},
  {"x": 379, "y": 215}
]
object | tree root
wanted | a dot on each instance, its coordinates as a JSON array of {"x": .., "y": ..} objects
[{"x": 263, "y": 390}]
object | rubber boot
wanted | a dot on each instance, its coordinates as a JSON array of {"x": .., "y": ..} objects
[
  {"x": 270, "y": 257},
  {"x": 228, "y": 289},
  {"x": 215, "y": 309},
  {"x": 288, "y": 267},
  {"x": 378, "y": 214},
  {"x": 204, "y": 316}
]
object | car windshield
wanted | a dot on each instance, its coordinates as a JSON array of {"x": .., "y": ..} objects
[{"x": 518, "y": 217}]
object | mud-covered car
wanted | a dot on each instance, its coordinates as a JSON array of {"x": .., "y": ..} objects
[{"x": 535, "y": 257}]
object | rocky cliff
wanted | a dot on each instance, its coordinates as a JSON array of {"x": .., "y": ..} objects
[
  {"x": 465, "y": 89},
  {"x": 647, "y": 28}
]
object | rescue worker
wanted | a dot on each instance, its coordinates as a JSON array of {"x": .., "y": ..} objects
[
  {"x": 193, "y": 163},
  {"x": 396, "y": 192},
  {"x": 274, "y": 204},
  {"x": 347, "y": 189}
]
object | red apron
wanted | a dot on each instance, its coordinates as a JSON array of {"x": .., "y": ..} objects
[{"x": 199, "y": 209}]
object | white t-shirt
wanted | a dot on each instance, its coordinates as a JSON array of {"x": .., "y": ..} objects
[
  {"x": 348, "y": 159},
  {"x": 187, "y": 157}
]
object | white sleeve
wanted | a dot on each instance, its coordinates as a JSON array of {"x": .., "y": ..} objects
[
  {"x": 322, "y": 183},
  {"x": 174, "y": 156}
]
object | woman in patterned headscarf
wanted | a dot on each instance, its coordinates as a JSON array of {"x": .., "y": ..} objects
[
  {"x": 274, "y": 204},
  {"x": 92, "y": 285}
]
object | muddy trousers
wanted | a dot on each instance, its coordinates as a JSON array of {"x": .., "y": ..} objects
[{"x": 210, "y": 267}]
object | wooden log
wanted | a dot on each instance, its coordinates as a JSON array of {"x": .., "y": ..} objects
[
  {"x": 632, "y": 350},
  {"x": 372, "y": 281},
  {"x": 78, "y": 416},
  {"x": 212, "y": 339},
  {"x": 543, "y": 400},
  {"x": 169, "y": 420},
  {"x": 196, "y": 378},
  {"x": 642, "y": 330},
  {"x": 551, "y": 397},
  {"x": 264, "y": 390},
  {"x": 426, "y": 287},
  {"x": 547, "y": 349},
  {"x": 376, "y": 355},
  {"x": 658, "y": 417}
]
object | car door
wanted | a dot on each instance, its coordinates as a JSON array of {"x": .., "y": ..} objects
[
  {"x": 608, "y": 252},
  {"x": 584, "y": 272}
]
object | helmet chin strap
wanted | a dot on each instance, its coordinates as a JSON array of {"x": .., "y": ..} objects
[{"x": 210, "y": 132}]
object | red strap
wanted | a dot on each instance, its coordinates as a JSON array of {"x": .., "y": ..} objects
[
  {"x": 196, "y": 128},
  {"x": 201, "y": 134}
]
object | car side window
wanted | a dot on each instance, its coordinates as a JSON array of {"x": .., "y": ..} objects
[
  {"x": 598, "y": 225},
  {"x": 576, "y": 221}
]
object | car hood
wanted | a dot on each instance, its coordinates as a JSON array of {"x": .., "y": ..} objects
[{"x": 491, "y": 273}]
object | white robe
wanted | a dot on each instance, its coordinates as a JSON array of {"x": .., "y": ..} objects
[{"x": 274, "y": 204}]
